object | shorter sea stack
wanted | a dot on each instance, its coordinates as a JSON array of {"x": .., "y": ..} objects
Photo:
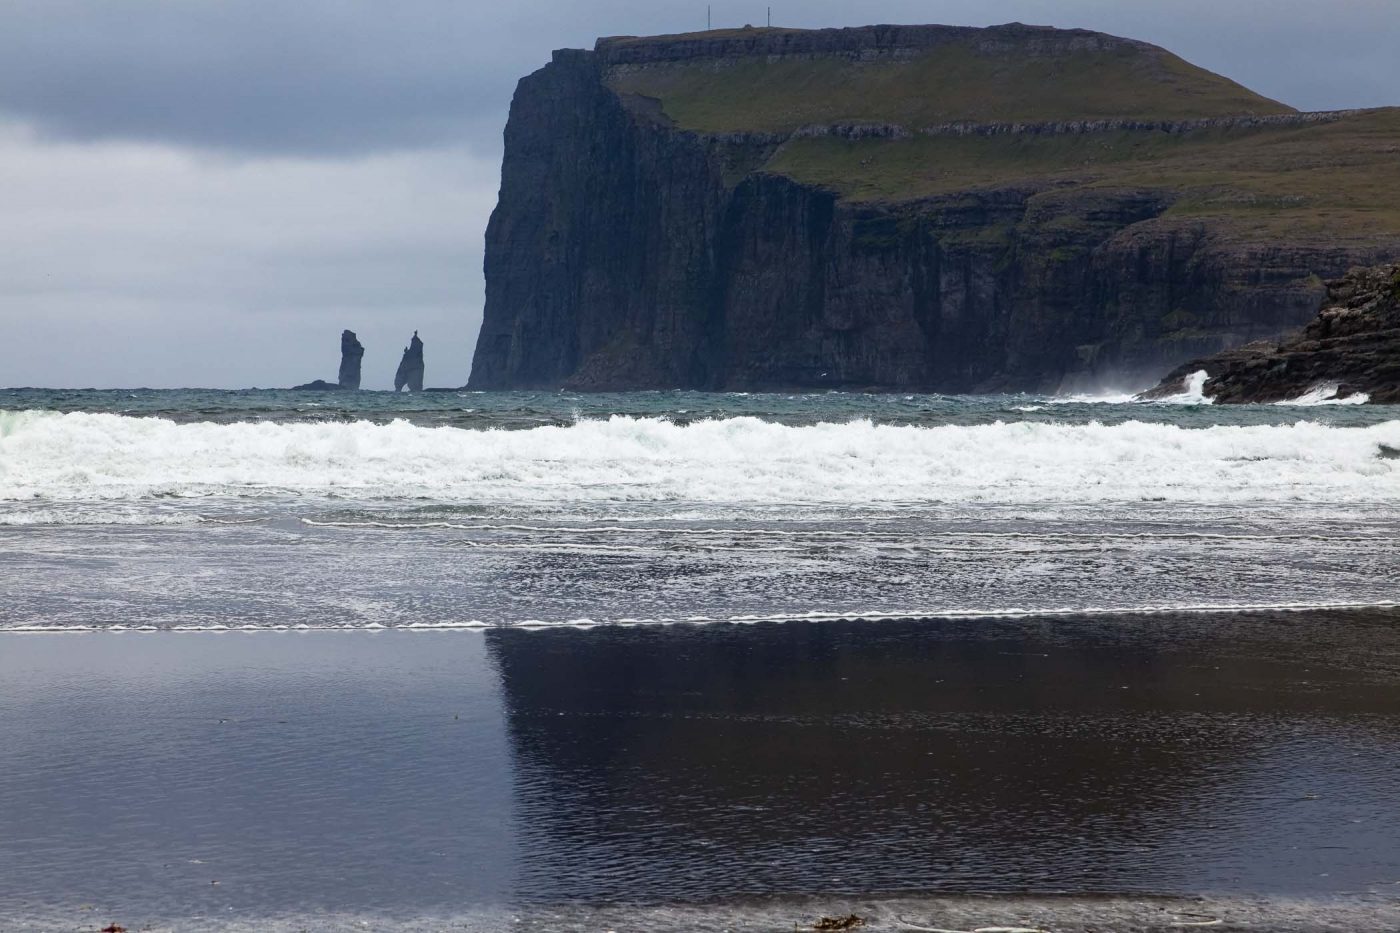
[
  {"x": 410, "y": 371},
  {"x": 351, "y": 352},
  {"x": 1351, "y": 349}
]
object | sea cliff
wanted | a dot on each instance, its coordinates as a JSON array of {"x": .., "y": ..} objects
[{"x": 936, "y": 208}]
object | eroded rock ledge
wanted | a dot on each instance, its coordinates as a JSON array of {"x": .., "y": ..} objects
[{"x": 1352, "y": 348}]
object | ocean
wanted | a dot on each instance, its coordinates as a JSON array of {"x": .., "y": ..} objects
[
  {"x": 159, "y": 510},
  {"x": 459, "y": 660}
]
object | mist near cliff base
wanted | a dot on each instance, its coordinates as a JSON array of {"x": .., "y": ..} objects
[
  {"x": 1114, "y": 385},
  {"x": 206, "y": 195}
]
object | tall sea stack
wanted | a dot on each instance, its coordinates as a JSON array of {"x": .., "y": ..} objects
[
  {"x": 350, "y": 355},
  {"x": 410, "y": 372},
  {"x": 351, "y": 352},
  {"x": 911, "y": 207}
]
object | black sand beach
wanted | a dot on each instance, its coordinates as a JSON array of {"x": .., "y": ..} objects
[{"x": 1069, "y": 773}]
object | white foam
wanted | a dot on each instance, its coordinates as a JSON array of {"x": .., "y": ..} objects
[
  {"x": 1102, "y": 398},
  {"x": 1326, "y": 394},
  {"x": 843, "y": 534},
  {"x": 47, "y": 458},
  {"x": 27, "y": 517}
]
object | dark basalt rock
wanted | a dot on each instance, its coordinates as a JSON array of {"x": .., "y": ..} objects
[
  {"x": 627, "y": 253},
  {"x": 318, "y": 385},
  {"x": 410, "y": 372},
  {"x": 350, "y": 355},
  {"x": 1352, "y": 346}
]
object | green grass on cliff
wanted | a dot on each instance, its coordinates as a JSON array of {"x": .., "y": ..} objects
[
  {"x": 1337, "y": 179},
  {"x": 953, "y": 82}
]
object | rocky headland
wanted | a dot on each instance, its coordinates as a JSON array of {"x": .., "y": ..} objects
[
  {"x": 911, "y": 207},
  {"x": 410, "y": 371},
  {"x": 1349, "y": 351}
]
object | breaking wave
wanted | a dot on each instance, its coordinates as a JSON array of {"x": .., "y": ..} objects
[
  {"x": 49, "y": 457},
  {"x": 1326, "y": 394},
  {"x": 1193, "y": 390}
]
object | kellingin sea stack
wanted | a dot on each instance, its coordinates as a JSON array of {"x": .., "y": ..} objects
[{"x": 410, "y": 372}]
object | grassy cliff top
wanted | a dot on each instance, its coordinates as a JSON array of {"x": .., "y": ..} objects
[
  {"x": 1332, "y": 179},
  {"x": 777, "y": 80},
  {"x": 1326, "y": 179}
]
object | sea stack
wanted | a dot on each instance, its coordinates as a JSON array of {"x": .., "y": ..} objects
[
  {"x": 410, "y": 371},
  {"x": 351, "y": 352}
]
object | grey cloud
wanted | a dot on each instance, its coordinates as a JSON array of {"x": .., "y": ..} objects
[
  {"x": 201, "y": 192},
  {"x": 310, "y": 77},
  {"x": 353, "y": 76},
  {"x": 137, "y": 264},
  {"x": 258, "y": 76}
]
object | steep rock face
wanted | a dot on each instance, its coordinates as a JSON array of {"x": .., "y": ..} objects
[
  {"x": 410, "y": 371},
  {"x": 986, "y": 291},
  {"x": 1352, "y": 347},
  {"x": 350, "y": 355},
  {"x": 627, "y": 253},
  {"x": 600, "y": 257}
]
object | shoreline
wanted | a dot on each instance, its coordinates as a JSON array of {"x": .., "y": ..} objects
[
  {"x": 962, "y": 913},
  {"x": 1382, "y": 607}
]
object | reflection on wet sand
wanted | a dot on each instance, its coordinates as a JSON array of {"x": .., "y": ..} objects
[
  {"x": 1166, "y": 754},
  {"x": 957, "y": 775}
]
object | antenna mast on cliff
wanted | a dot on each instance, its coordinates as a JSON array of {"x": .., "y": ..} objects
[
  {"x": 708, "y": 27},
  {"x": 770, "y": 17}
]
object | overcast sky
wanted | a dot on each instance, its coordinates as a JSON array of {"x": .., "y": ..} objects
[{"x": 206, "y": 193}]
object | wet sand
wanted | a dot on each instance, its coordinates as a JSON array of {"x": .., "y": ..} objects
[
  {"x": 896, "y": 915},
  {"x": 1059, "y": 773}
]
